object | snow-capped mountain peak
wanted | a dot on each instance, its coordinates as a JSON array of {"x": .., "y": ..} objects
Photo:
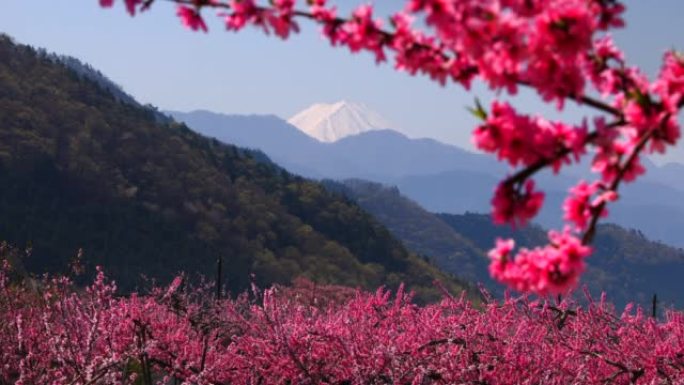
[{"x": 331, "y": 122}]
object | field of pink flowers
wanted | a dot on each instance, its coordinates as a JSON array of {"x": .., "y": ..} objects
[{"x": 54, "y": 333}]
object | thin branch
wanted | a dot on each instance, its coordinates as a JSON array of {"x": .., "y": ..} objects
[
  {"x": 591, "y": 230},
  {"x": 444, "y": 341},
  {"x": 528, "y": 171}
]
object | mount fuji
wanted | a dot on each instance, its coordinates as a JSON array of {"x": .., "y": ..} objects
[{"x": 332, "y": 122}]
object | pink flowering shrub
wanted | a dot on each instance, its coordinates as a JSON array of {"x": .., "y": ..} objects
[
  {"x": 560, "y": 48},
  {"x": 53, "y": 333}
]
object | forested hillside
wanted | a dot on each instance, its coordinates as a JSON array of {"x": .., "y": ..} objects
[
  {"x": 421, "y": 231},
  {"x": 625, "y": 264},
  {"x": 82, "y": 169}
]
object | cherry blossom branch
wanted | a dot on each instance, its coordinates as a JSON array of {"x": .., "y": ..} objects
[
  {"x": 387, "y": 38},
  {"x": 634, "y": 374},
  {"x": 524, "y": 174}
]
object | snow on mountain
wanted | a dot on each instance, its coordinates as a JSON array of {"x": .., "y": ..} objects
[{"x": 331, "y": 122}]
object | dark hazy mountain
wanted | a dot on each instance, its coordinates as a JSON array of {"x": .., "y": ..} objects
[
  {"x": 455, "y": 191},
  {"x": 625, "y": 264},
  {"x": 670, "y": 174},
  {"x": 652, "y": 207},
  {"x": 80, "y": 168}
]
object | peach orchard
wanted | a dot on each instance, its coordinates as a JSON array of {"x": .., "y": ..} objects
[{"x": 562, "y": 49}]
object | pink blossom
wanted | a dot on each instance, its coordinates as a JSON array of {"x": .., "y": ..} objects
[
  {"x": 131, "y": 5},
  {"x": 551, "y": 269},
  {"x": 516, "y": 206},
  {"x": 191, "y": 18},
  {"x": 361, "y": 32},
  {"x": 173, "y": 287},
  {"x": 503, "y": 249},
  {"x": 564, "y": 29},
  {"x": 521, "y": 139},
  {"x": 243, "y": 12},
  {"x": 606, "y": 79},
  {"x": 644, "y": 117},
  {"x": 499, "y": 256},
  {"x": 280, "y": 19},
  {"x": 568, "y": 263},
  {"x": 608, "y": 13},
  {"x": 94, "y": 337},
  {"x": 578, "y": 207},
  {"x": 670, "y": 83}
]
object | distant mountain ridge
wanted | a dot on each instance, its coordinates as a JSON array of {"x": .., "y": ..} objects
[
  {"x": 445, "y": 178},
  {"x": 380, "y": 154}
]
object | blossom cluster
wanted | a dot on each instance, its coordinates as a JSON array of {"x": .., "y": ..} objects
[
  {"x": 562, "y": 49},
  {"x": 554, "y": 268},
  {"x": 524, "y": 140},
  {"x": 516, "y": 205},
  {"x": 58, "y": 335}
]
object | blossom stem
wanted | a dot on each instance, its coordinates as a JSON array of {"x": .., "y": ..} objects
[{"x": 589, "y": 234}]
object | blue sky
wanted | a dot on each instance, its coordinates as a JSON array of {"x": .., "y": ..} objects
[{"x": 159, "y": 62}]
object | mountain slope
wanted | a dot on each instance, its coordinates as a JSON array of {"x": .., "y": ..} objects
[
  {"x": 380, "y": 154},
  {"x": 419, "y": 230},
  {"x": 81, "y": 169}
]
